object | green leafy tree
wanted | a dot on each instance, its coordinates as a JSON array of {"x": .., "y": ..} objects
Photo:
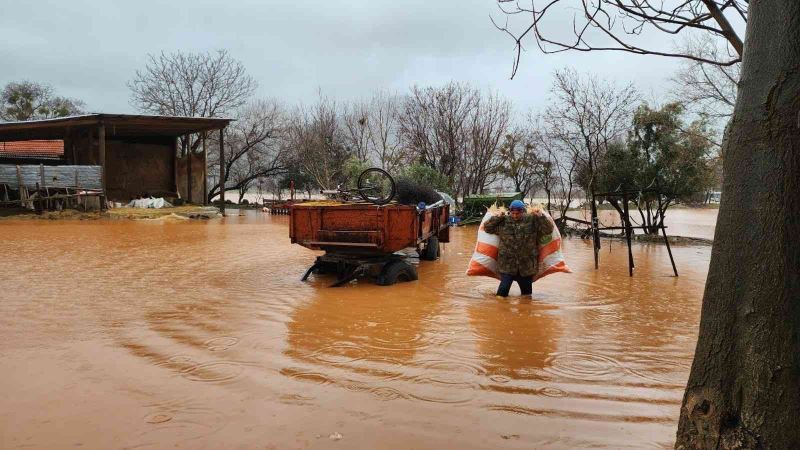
[
  {"x": 660, "y": 153},
  {"x": 303, "y": 182},
  {"x": 424, "y": 175},
  {"x": 28, "y": 100},
  {"x": 352, "y": 168}
]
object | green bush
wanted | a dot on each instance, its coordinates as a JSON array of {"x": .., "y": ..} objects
[{"x": 426, "y": 176}]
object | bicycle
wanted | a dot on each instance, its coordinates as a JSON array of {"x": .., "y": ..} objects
[{"x": 374, "y": 185}]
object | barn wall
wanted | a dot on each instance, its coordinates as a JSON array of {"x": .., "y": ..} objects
[
  {"x": 137, "y": 167},
  {"x": 198, "y": 169}
]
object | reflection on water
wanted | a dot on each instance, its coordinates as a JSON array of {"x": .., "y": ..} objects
[
  {"x": 691, "y": 222},
  {"x": 201, "y": 335}
]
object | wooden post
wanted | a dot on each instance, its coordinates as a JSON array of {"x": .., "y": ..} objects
[
  {"x": 19, "y": 176},
  {"x": 77, "y": 188},
  {"x": 666, "y": 240},
  {"x": 45, "y": 204},
  {"x": 222, "y": 170},
  {"x": 628, "y": 231},
  {"x": 37, "y": 204},
  {"x": 175, "y": 166},
  {"x": 23, "y": 191},
  {"x": 72, "y": 144},
  {"x": 205, "y": 170},
  {"x": 595, "y": 232},
  {"x": 188, "y": 152},
  {"x": 89, "y": 155},
  {"x": 101, "y": 142}
]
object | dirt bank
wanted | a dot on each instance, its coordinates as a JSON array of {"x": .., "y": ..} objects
[{"x": 180, "y": 212}]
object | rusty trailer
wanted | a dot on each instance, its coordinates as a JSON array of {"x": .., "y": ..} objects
[{"x": 362, "y": 239}]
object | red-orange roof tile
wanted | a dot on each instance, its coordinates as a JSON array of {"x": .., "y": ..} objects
[{"x": 32, "y": 149}]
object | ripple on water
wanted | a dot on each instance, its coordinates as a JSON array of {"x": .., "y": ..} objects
[
  {"x": 177, "y": 421},
  {"x": 302, "y": 375},
  {"x": 213, "y": 372},
  {"x": 452, "y": 382},
  {"x": 660, "y": 371},
  {"x": 583, "y": 366},
  {"x": 592, "y": 295},
  {"x": 552, "y": 392},
  {"x": 462, "y": 348},
  {"x": 340, "y": 353},
  {"x": 221, "y": 343},
  {"x": 502, "y": 379},
  {"x": 296, "y": 399},
  {"x": 386, "y": 394},
  {"x": 157, "y": 418},
  {"x": 178, "y": 362},
  {"x": 453, "y": 366}
]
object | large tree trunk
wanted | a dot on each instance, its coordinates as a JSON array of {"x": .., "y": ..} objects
[{"x": 744, "y": 386}]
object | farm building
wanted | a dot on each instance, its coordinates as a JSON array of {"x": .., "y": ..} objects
[{"x": 130, "y": 154}]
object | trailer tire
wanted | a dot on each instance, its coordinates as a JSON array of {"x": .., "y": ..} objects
[
  {"x": 397, "y": 271},
  {"x": 431, "y": 250}
]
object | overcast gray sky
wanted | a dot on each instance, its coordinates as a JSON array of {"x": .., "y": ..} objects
[{"x": 90, "y": 49}]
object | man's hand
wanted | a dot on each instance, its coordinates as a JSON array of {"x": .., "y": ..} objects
[{"x": 536, "y": 211}]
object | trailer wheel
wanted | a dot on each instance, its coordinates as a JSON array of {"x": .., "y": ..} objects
[
  {"x": 431, "y": 250},
  {"x": 397, "y": 271}
]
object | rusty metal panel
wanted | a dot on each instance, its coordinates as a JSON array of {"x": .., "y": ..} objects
[
  {"x": 302, "y": 223},
  {"x": 347, "y": 219},
  {"x": 373, "y": 237},
  {"x": 401, "y": 228},
  {"x": 444, "y": 230},
  {"x": 387, "y": 228}
]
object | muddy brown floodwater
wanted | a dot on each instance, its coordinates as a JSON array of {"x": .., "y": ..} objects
[{"x": 200, "y": 335}]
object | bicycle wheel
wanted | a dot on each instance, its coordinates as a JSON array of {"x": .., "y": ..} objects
[{"x": 376, "y": 186}]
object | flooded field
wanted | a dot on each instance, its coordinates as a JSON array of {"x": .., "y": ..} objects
[
  {"x": 200, "y": 335},
  {"x": 691, "y": 222}
]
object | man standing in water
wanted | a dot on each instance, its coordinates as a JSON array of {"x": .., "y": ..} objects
[{"x": 518, "y": 257}]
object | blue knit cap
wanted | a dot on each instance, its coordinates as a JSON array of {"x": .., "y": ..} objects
[{"x": 517, "y": 204}]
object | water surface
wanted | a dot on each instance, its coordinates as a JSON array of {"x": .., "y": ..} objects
[{"x": 200, "y": 335}]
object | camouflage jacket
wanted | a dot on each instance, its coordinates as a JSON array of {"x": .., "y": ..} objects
[{"x": 518, "y": 251}]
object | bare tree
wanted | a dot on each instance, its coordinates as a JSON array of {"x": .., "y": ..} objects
[
  {"x": 27, "y": 100},
  {"x": 317, "y": 140},
  {"x": 488, "y": 125},
  {"x": 560, "y": 165},
  {"x": 371, "y": 130},
  {"x": 435, "y": 126},
  {"x": 707, "y": 89},
  {"x": 586, "y": 114},
  {"x": 191, "y": 85},
  {"x": 253, "y": 148},
  {"x": 356, "y": 118},
  {"x": 384, "y": 130},
  {"x": 521, "y": 163},
  {"x": 615, "y": 25}
]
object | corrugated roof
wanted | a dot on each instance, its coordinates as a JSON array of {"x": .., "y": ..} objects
[{"x": 32, "y": 149}]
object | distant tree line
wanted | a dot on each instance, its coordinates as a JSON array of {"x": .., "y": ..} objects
[{"x": 592, "y": 134}]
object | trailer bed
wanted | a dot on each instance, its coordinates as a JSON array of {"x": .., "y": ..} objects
[{"x": 365, "y": 227}]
